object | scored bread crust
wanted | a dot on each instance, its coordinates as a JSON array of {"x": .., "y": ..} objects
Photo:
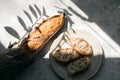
[
  {"x": 81, "y": 46},
  {"x": 41, "y": 34}
]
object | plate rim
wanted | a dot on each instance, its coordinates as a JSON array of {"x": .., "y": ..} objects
[{"x": 95, "y": 59}]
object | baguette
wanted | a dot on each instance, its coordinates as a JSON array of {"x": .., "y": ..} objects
[{"x": 38, "y": 37}]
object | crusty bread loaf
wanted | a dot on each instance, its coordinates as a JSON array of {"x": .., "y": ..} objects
[
  {"x": 81, "y": 46},
  {"x": 43, "y": 32},
  {"x": 65, "y": 55},
  {"x": 78, "y": 65}
]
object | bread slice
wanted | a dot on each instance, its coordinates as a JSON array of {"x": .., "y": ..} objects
[
  {"x": 81, "y": 46},
  {"x": 41, "y": 34},
  {"x": 65, "y": 55},
  {"x": 78, "y": 65}
]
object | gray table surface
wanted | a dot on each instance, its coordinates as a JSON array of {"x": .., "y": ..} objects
[{"x": 99, "y": 17}]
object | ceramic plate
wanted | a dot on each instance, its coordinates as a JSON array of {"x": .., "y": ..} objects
[{"x": 96, "y": 60}]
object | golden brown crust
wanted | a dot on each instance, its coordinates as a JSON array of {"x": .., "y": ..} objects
[
  {"x": 81, "y": 46},
  {"x": 43, "y": 32}
]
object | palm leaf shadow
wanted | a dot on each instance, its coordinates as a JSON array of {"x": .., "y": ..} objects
[
  {"x": 38, "y": 10},
  {"x": 12, "y": 32},
  {"x": 44, "y": 12},
  {"x": 67, "y": 14},
  {"x": 33, "y": 11},
  {"x": 28, "y": 15},
  {"x": 64, "y": 10},
  {"x": 22, "y": 23},
  {"x": 70, "y": 21}
]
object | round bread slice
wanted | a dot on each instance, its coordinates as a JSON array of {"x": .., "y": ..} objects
[
  {"x": 65, "y": 55},
  {"x": 81, "y": 46},
  {"x": 78, "y": 65}
]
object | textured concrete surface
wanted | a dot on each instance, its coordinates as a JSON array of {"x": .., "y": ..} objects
[{"x": 99, "y": 17}]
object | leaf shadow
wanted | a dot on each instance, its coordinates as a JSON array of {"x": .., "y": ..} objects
[
  {"x": 21, "y": 21},
  {"x": 38, "y": 10},
  {"x": 33, "y": 11},
  {"x": 12, "y": 31},
  {"x": 28, "y": 15},
  {"x": 68, "y": 19},
  {"x": 72, "y": 10},
  {"x": 44, "y": 12}
]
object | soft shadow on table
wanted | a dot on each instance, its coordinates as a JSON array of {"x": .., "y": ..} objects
[
  {"x": 109, "y": 70},
  {"x": 104, "y": 13},
  {"x": 41, "y": 69},
  {"x": 2, "y": 47}
]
